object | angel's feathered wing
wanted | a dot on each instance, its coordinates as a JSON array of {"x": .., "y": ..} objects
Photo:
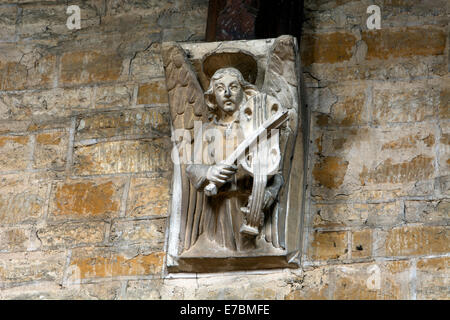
[
  {"x": 281, "y": 81},
  {"x": 187, "y": 105}
]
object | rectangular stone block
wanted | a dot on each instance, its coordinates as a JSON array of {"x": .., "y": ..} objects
[
  {"x": 328, "y": 245},
  {"x": 432, "y": 279},
  {"x": 343, "y": 106},
  {"x": 356, "y": 214},
  {"x": 36, "y": 71},
  {"x": 444, "y": 149},
  {"x": 22, "y": 199},
  {"x": 152, "y": 93},
  {"x": 8, "y": 15},
  {"x": 32, "y": 266},
  {"x": 14, "y": 152},
  {"x": 417, "y": 240},
  {"x": 13, "y": 239},
  {"x": 373, "y": 163},
  {"x": 380, "y": 281},
  {"x": 428, "y": 211},
  {"x": 39, "y": 21},
  {"x": 405, "y": 102},
  {"x": 117, "y": 96},
  {"x": 329, "y": 48},
  {"x": 44, "y": 105},
  {"x": 148, "y": 232},
  {"x": 106, "y": 290},
  {"x": 389, "y": 43},
  {"x": 149, "y": 122},
  {"x": 444, "y": 104},
  {"x": 90, "y": 66},
  {"x": 148, "y": 197},
  {"x": 147, "y": 64},
  {"x": 89, "y": 263},
  {"x": 406, "y": 69},
  {"x": 86, "y": 198},
  {"x": 326, "y": 15},
  {"x": 68, "y": 235},
  {"x": 361, "y": 244},
  {"x": 315, "y": 285},
  {"x": 146, "y": 155},
  {"x": 50, "y": 150}
]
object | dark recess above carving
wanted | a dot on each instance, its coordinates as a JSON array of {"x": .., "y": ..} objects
[{"x": 253, "y": 19}]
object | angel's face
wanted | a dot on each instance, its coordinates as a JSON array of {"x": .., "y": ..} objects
[{"x": 228, "y": 92}]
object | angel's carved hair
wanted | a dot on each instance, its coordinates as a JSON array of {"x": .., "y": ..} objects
[{"x": 247, "y": 87}]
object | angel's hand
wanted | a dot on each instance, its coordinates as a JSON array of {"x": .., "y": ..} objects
[{"x": 220, "y": 173}]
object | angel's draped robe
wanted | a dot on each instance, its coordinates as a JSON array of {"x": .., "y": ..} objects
[{"x": 221, "y": 215}]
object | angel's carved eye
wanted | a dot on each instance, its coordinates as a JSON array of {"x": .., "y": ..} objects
[
  {"x": 219, "y": 88},
  {"x": 234, "y": 87}
]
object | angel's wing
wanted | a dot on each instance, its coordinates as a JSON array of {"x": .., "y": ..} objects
[
  {"x": 187, "y": 105},
  {"x": 281, "y": 81}
]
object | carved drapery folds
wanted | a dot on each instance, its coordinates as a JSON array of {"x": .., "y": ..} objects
[{"x": 237, "y": 191}]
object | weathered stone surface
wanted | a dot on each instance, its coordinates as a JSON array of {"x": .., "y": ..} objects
[
  {"x": 427, "y": 211},
  {"x": 22, "y": 199},
  {"x": 432, "y": 279},
  {"x": 67, "y": 234},
  {"x": 14, "y": 239},
  {"x": 356, "y": 214},
  {"x": 14, "y": 152},
  {"x": 417, "y": 240},
  {"x": 314, "y": 285},
  {"x": 116, "y": 96},
  {"x": 404, "y": 42},
  {"x": 90, "y": 66},
  {"x": 152, "y": 93},
  {"x": 123, "y": 156},
  {"x": 147, "y": 64},
  {"x": 344, "y": 15},
  {"x": 149, "y": 122},
  {"x": 44, "y": 105},
  {"x": 145, "y": 290},
  {"x": 49, "y": 21},
  {"x": 90, "y": 198},
  {"x": 406, "y": 69},
  {"x": 50, "y": 150},
  {"x": 32, "y": 266},
  {"x": 404, "y": 103},
  {"x": 95, "y": 263},
  {"x": 386, "y": 281},
  {"x": 148, "y": 232},
  {"x": 36, "y": 70},
  {"x": 361, "y": 244},
  {"x": 373, "y": 163},
  {"x": 348, "y": 108},
  {"x": 327, "y": 245},
  {"x": 8, "y": 16},
  {"x": 444, "y": 149},
  {"x": 327, "y": 48},
  {"x": 444, "y": 105},
  {"x": 47, "y": 290},
  {"x": 148, "y": 197},
  {"x": 330, "y": 172}
]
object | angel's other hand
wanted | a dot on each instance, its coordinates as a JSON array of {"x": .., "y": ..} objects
[{"x": 220, "y": 173}]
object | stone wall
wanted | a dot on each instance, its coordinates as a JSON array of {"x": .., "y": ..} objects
[{"x": 85, "y": 166}]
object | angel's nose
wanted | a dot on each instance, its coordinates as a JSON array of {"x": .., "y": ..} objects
[{"x": 227, "y": 92}]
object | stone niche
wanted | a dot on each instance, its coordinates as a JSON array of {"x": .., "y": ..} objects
[{"x": 237, "y": 192}]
